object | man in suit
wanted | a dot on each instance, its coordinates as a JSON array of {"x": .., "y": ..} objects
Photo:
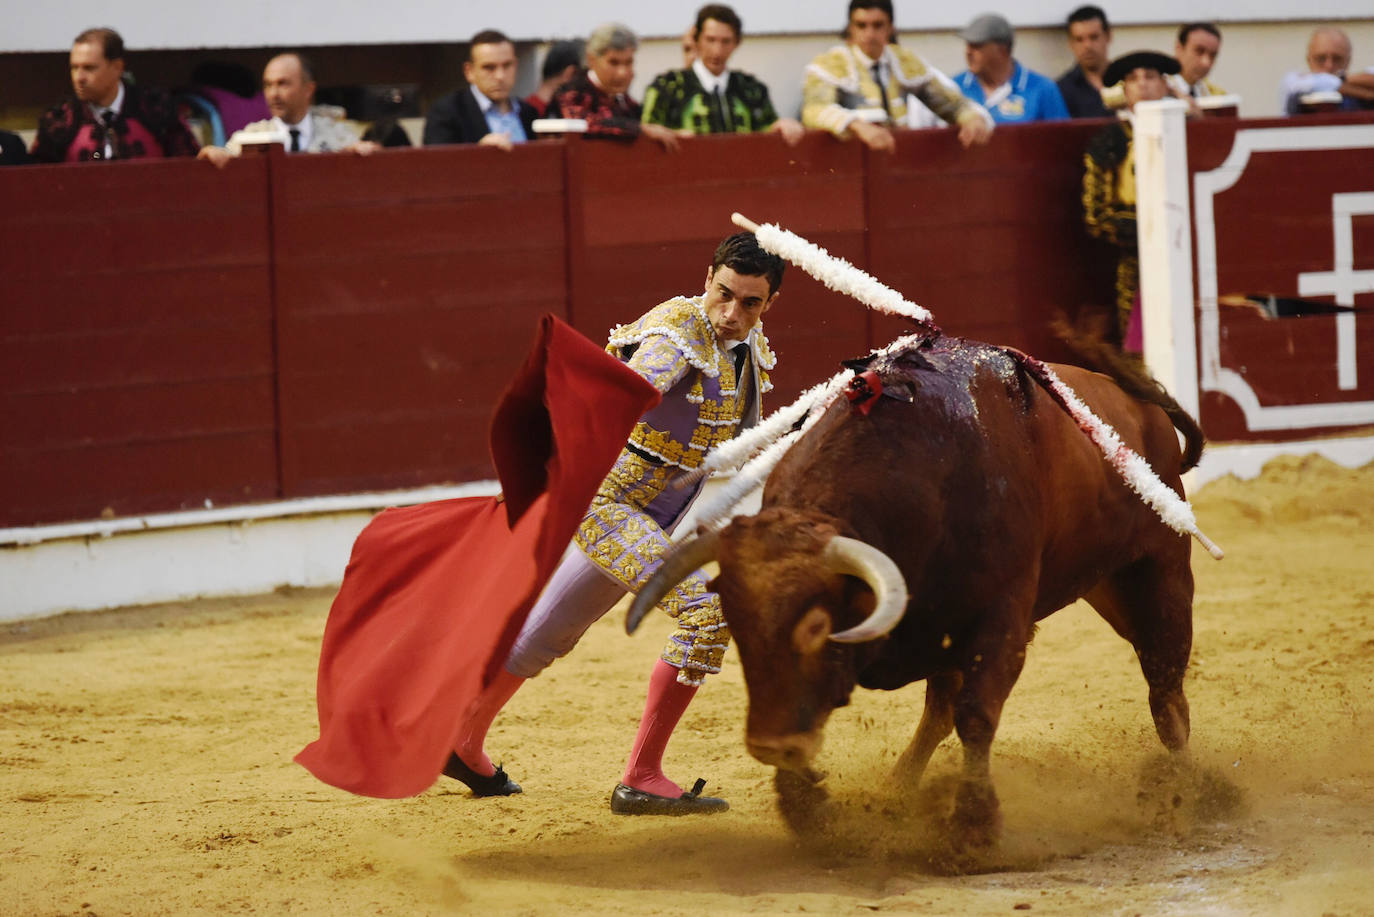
[
  {"x": 299, "y": 125},
  {"x": 483, "y": 112},
  {"x": 108, "y": 118}
]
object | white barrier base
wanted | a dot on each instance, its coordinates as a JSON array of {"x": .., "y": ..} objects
[
  {"x": 1246, "y": 460},
  {"x": 247, "y": 550},
  {"x": 168, "y": 557}
]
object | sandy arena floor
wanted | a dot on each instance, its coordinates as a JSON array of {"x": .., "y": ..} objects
[{"x": 147, "y": 765}]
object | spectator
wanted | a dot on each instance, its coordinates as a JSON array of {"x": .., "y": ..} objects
[
  {"x": 483, "y": 112},
  {"x": 997, "y": 81},
  {"x": 1328, "y": 58},
  {"x": 1199, "y": 43},
  {"x": 600, "y": 94},
  {"x": 1109, "y": 179},
  {"x": 1090, "y": 37},
  {"x": 706, "y": 97},
  {"x": 689, "y": 47},
  {"x": 12, "y": 152},
  {"x": 869, "y": 72},
  {"x": 109, "y": 118},
  {"x": 560, "y": 65},
  {"x": 288, "y": 83}
]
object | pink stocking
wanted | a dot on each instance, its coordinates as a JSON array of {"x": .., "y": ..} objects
[
  {"x": 664, "y": 707},
  {"x": 478, "y": 719}
]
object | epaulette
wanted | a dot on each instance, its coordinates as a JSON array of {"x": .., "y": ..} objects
[{"x": 683, "y": 321}]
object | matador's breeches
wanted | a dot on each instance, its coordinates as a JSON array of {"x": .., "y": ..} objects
[{"x": 628, "y": 544}]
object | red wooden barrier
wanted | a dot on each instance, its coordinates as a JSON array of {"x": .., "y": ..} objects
[
  {"x": 305, "y": 325},
  {"x": 408, "y": 287},
  {"x": 990, "y": 240},
  {"x": 136, "y": 346},
  {"x": 1286, "y": 204}
]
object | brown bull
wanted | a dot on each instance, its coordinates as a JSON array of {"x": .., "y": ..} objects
[{"x": 978, "y": 491}]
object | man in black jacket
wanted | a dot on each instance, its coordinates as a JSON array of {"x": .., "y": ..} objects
[
  {"x": 484, "y": 111},
  {"x": 1090, "y": 36}
]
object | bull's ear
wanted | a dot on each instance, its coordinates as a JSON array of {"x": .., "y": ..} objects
[{"x": 812, "y": 632}]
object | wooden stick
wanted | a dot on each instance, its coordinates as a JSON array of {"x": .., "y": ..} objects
[
  {"x": 1207, "y": 543},
  {"x": 743, "y": 222}
]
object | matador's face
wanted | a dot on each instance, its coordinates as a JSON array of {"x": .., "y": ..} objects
[{"x": 735, "y": 302}]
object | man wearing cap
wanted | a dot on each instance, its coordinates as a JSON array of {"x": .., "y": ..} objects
[
  {"x": 1109, "y": 176},
  {"x": 869, "y": 75},
  {"x": 1011, "y": 93}
]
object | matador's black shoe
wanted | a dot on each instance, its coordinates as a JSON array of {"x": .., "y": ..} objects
[
  {"x": 498, "y": 784},
  {"x": 626, "y": 800}
]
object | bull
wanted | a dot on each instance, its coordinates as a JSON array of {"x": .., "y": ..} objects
[{"x": 922, "y": 538}]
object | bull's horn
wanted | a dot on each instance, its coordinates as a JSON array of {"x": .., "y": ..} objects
[
  {"x": 857, "y": 558},
  {"x": 681, "y": 559}
]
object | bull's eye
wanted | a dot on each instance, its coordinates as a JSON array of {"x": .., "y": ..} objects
[{"x": 812, "y": 632}]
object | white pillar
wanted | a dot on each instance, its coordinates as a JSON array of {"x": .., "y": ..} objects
[{"x": 1164, "y": 227}]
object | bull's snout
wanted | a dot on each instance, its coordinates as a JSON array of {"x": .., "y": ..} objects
[{"x": 790, "y": 752}]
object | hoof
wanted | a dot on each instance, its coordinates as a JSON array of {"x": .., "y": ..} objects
[
  {"x": 803, "y": 803},
  {"x": 976, "y": 824}
]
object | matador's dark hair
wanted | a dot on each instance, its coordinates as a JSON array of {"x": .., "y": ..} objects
[{"x": 742, "y": 254}]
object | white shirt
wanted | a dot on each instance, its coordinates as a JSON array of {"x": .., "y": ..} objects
[
  {"x": 116, "y": 106},
  {"x": 306, "y": 127},
  {"x": 709, "y": 81},
  {"x": 884, "y": 72},
  {"x": 591, "y": 75}
]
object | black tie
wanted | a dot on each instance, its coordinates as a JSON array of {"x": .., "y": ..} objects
[
  {"x": 724, "y": 106},
  {"x": 295, "y": 133},
  {"x": 741, "y": 355},
  {"x": 111, "y": 139},
  {"x": 882, "y": 90}
]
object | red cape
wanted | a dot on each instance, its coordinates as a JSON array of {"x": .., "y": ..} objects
[{"x": 435, "y": 594}]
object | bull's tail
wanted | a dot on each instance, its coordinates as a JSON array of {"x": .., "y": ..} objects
[{"x": 1130, "y": 374}]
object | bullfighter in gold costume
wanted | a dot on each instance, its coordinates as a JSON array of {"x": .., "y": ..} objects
[{"x": 708, "y": 357}]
